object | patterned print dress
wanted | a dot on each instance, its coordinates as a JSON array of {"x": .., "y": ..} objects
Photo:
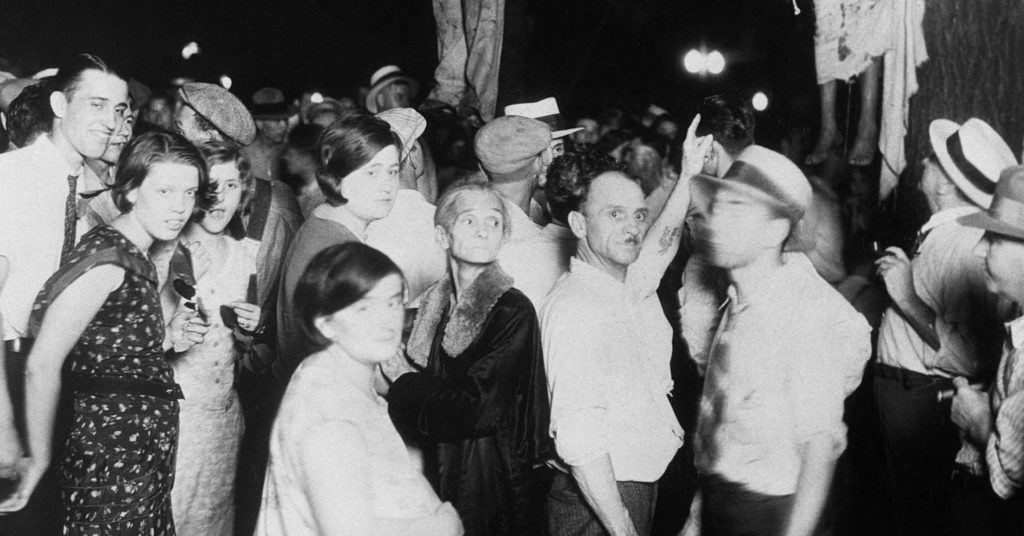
[{"x": 116, "y": 468}]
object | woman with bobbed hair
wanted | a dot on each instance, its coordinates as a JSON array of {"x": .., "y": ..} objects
[
  {"x": 337, "y": 464},
  {"x": 358, "y": 171},
  {"x": 98, "y": 319},
  {"x": 480, "y": 406}
]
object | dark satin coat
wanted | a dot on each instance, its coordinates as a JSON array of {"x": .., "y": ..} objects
[{"x": 482, "y": 417}]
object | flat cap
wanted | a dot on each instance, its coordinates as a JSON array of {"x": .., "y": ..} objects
[
  {"x": 509, "y": 143},
  {"x": 221, "y": 108}
]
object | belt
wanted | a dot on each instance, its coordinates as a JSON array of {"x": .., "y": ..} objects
[
  {"x": 18, "y": 346},
  {"x": 909, "y": 378},
  {"x": 81, "y": 383}
]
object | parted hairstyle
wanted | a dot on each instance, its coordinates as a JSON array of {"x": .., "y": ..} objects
[
  {"x": 69, "y": 74},
  {"x": 216, "y": 152},
  {"x": 346, "y": 145},
  {"x": 730, "y": 121},
  {"x": 155, "y": 147},
  {"x": 445, "y": 214},
  {"x": 569, "y": 178},
  {"x": 336, "y": 278}
]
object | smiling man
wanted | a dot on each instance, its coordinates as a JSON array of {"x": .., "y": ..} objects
[{"x": 39, "y": 222}]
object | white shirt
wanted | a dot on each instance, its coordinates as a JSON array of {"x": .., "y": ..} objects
[
  {"x": 534, "y": 258},
  {"x": 607, "y": 348},
  {"x": 407, "y": 236},
  {"x": 950, "y": 280},
  {"x": 784, "y": 360},
  {"x": 33, "y": 191}
]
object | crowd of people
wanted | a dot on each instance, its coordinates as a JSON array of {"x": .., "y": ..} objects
[{"x": 324, "y": 317}]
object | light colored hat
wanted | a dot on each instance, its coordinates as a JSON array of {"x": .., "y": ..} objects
[
  {"x": 509, "y": 143},
  {"x": 11, "y": 88},
  {"x": 765, "y": 175},
  {"x": 545, "y": 111},
  {"x": 220, "y": 108},
  {"x": 407, "y": 123},
  {"x": 384, "y": 76},
  {"x": 972, "y": 154},
  {"x": 1006, "y": 214},
  {"x": 327, "y": 104}
]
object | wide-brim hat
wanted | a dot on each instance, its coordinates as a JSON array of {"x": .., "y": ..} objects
[
  {"x": 269, "y": 103},
  {"x": 1005, "y": 216},
  {"x": 768, "y": 177},
  {"x": 383, "y": 77},
  {"x": 972, "y": 154},
  {"x": 545, "y": 111}
]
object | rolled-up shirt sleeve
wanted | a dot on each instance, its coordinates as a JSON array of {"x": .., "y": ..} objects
[
  {"x": 573, "y": 350},
  {"x": 1004, "y": 453}
]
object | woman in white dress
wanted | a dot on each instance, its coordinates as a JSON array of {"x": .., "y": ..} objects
[
  {"x": 337, "y": 464},
  {"x": 203, "y": 497}
]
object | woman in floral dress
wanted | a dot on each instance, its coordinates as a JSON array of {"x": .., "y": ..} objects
[
  {"x": 99, "y": 319},
  {"x": 211, "y": 427}
]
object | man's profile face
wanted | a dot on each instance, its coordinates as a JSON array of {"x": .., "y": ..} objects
[
  {"x": 1004, "y": 265},
  {"x": 616, "y": 219},
  {"x": 397, "y": 95},
  {"x": 91, "y": 113},
  {"x": 737, "y": 229},
  {"x": 185, "y": 124}
]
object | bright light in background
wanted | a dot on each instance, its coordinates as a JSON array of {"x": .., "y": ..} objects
[
  {"x": 715, "y": 62},
  {"x": 695, "y": 62},
  {"x": 760, "y": 101},
  {"x": 316, "y": 98},
  {"x": 190, "y": 50},
  {"x": 225, "y": 81}
]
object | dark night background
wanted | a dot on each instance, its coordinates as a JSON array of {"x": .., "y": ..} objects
[{"x": 588, "y": 53}]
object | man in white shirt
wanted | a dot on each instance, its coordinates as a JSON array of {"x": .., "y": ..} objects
[
  {"x": 607, "y": 348},
  {"x": 942, "y": 323},
  {"x": 514, "y": 153},
  {"x": 788, "y": 351},
  {"x": 39, "y": 224}
]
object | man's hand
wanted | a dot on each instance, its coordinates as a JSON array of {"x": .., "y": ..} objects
[
  {"x": 971, "y": 411},
  {"x": 895, "y": 271},
  {"x": 31, "y": 473},
  {"x": 695, "y": 151}
]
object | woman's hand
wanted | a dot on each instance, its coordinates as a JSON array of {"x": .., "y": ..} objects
[
  {"x": 186, "y": 330},
  {"x": 31, "y": 471},
  {"x": 248, "y": 315}
]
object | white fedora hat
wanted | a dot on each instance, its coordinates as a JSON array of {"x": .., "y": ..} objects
[
  {"x": 383, "y": 77},
  {"x": 973, "y": 155},
  {"x": 545, "y": 111}
]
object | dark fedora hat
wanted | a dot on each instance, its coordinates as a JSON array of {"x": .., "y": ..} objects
[{"x": 1005, "y": 216}]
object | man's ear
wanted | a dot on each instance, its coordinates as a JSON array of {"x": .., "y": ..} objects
[
  {"x": 538, "y": 166},
  {"x": 442, "y": 237},
  {"x": 578, "y": 223},
  {"x": 58, "y": 104}
]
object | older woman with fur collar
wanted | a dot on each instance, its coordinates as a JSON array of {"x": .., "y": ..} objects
[{"x": 479, "y": 407}]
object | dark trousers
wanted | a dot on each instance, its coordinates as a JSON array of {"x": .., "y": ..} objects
[
  {"x": 920, "y": 443},
  {"x": 976, "y": 510},
  {"x": 730, "y": 509},
  {"x": 568, "y": 513},
  {"x": 42, "y": 515}
]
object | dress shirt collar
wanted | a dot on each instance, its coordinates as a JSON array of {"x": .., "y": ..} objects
[
  {"x": 943, "y": 217},
  {"x": 593, "y": 276},
  {"x": 1015, "y": 328},
  {"x": 48, "y": 152},
  {"x": 522, "y": 226}
]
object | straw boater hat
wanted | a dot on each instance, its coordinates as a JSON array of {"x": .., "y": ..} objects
[
  {"x": 972, "y": 154},
  {"x": 1005, "y": 216},
  {"x": 545, "y": 111},
  {"x": 384, "y": 76}
]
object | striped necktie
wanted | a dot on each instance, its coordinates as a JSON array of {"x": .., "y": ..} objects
[{"x": 70, "y": 218}]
